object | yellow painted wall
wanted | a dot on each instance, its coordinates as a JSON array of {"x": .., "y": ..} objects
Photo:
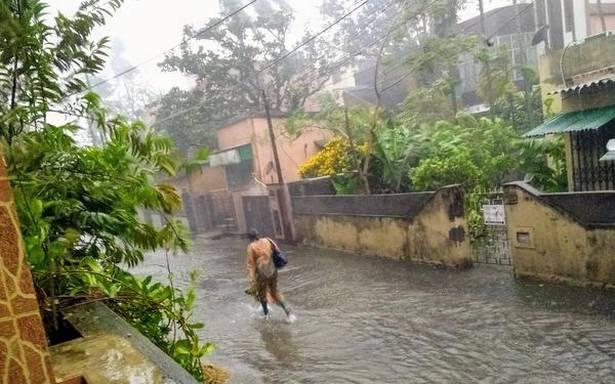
[
  {"x": 378, "y": 236},
  {"x": 426, "y": 238},
  {"x": 559, "y": 248},
  {"x": 550, "y": 79},
  {"x": 429, "y": 235}
]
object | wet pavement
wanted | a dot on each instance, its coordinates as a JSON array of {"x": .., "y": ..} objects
[{"x": 374, "y": 320}]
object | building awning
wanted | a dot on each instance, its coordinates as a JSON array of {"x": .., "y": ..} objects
[
  {"x": 231, "y": 156},
  {"x": 224, "y": 158},
  {"x": 575, "y": 121},
  {"x": 579, "y": 88}
]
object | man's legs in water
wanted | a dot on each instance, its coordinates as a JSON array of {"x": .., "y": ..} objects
[
  {"x": 261, "y": 293},
  {"x": 265, "y": 308},
  {"x": 273, "y": 290}
]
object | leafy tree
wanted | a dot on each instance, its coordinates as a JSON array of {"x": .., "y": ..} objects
[
  {"x": 544, "y": 163},
  {"x": 436, "y": 66},
  {"x": 233, "y": 63},
  {"x": 495, "y": 78},
  {"x": 195, "y": 128},
  {"x": 42, "y": 64},
  {"x": 407, "y": 22},
  {"x": 481, "y": 154},
  {"x": 394, "y": 155},
  {"x": 357, "y": 125},
  {"x": 488, "y": 145},
  {"x": 426, "y": 106},
  {"x": 78, "y": 205},
  {"x": 522, "y": 109}
]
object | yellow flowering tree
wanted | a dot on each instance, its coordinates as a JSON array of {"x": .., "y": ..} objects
[{"x": 333, "y": 159}]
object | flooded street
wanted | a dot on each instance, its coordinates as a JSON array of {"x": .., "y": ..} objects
[{"x": 373, "y": 320}]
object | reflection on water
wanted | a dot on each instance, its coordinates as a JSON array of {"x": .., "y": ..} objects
[
  {"x": 277, "y": 340},
  {"x": 371, "y": 320}
]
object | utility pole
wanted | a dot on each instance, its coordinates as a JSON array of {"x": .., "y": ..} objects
[
  {"x": 481, "y": 9},
  {"x": 483, "y": 30},
  {"x": 601, "y": 13},
  {"x": 548, "y": 25},
  {"x": 281, "y": 192}
]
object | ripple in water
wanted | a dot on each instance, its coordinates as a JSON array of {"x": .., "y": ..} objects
[{"x": 372, "y": 320}]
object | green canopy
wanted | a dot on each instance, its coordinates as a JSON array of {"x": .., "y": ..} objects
[{"x": 575, "y": 121}]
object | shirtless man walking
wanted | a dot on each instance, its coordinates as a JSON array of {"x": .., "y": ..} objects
[{"x": 262, "y": 272}]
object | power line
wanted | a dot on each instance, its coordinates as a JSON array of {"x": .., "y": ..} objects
[
  {"x": 400, "y": 24},
  {"x": 200, "y": 33},
  {"x": 356, "y": 34},
  {"x": 312, "y": 38},
  {"x": 279, "y": 59},
  {"x": 477, "y": 21},
  {"x": 396, "y": 82},
  {"x": 304, "y": 43},
  {"x": 530, "y": 5}
]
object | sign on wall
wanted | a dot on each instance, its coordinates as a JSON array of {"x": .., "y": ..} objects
[{"x": 494, "y": 214}]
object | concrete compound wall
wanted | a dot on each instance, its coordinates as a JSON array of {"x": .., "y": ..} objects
[
  {"x": 567, "y": 237},
  {"x": 427, "y": 227},
  {"x": 23, "y": 344}
]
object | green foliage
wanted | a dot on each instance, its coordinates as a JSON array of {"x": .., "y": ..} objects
[
  {"x": 345, "y": 184},
  {"x": 43, "y": 54},
  {"x": 544, "y": 163},
  {"x": 441, "y": 170},
  {"x": 436, "y": 71},
  {"x": 393, "y": 155},
  {"x": 78, "y": 205},
  {"x": 426, "y": 106},
  {"x": 481, "y": 155},
  {"x": 358, "y": 126},
  {"x": 522, "y": 109},
  {"x": 163, "y": 316},
  {"x": 488, "y": 145},
  {"x": 495, "y": 78},
  {"x": 186, "y": 129}
]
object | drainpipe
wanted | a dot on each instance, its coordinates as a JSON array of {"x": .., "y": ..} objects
[
  {"x": 561, "y": 63},
  {"x": 547, "y": 22}
]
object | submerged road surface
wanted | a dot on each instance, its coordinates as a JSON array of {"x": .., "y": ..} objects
[{"x": 373, "y": 320}]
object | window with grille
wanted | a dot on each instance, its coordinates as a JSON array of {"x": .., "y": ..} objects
[{"x": 588, "y": 173}]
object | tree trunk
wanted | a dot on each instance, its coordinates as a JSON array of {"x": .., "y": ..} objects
[{"x": 353, "y": 150}]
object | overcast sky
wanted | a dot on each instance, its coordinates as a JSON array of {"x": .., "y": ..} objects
[{"x": 143, "y": 28}]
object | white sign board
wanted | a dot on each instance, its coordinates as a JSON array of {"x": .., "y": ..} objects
[{"x": 494, "y": 214}]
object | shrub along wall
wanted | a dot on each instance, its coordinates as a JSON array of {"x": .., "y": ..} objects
[{"x": 428, "y": 227}]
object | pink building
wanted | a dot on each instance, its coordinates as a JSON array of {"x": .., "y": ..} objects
[{"x": 238, "y": 186}]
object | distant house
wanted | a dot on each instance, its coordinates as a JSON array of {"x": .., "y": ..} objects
[
  {"x": 510, "y": 27},
  {"x": 582, "y": 81},
  {"x": 526, "y": 30},
  {"x": 237, "y": 187},
  {"x": 573, "y": 20}
]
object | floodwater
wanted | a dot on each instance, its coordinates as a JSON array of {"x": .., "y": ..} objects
[{"x": 374, "y": 320}]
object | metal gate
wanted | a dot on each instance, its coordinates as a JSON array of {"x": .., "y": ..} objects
[
  {"x": 494, "y": 246},
  {"x": 222, "y": 211}
]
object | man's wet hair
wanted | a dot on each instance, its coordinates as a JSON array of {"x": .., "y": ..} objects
[{"x": 253, "y": 235}]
